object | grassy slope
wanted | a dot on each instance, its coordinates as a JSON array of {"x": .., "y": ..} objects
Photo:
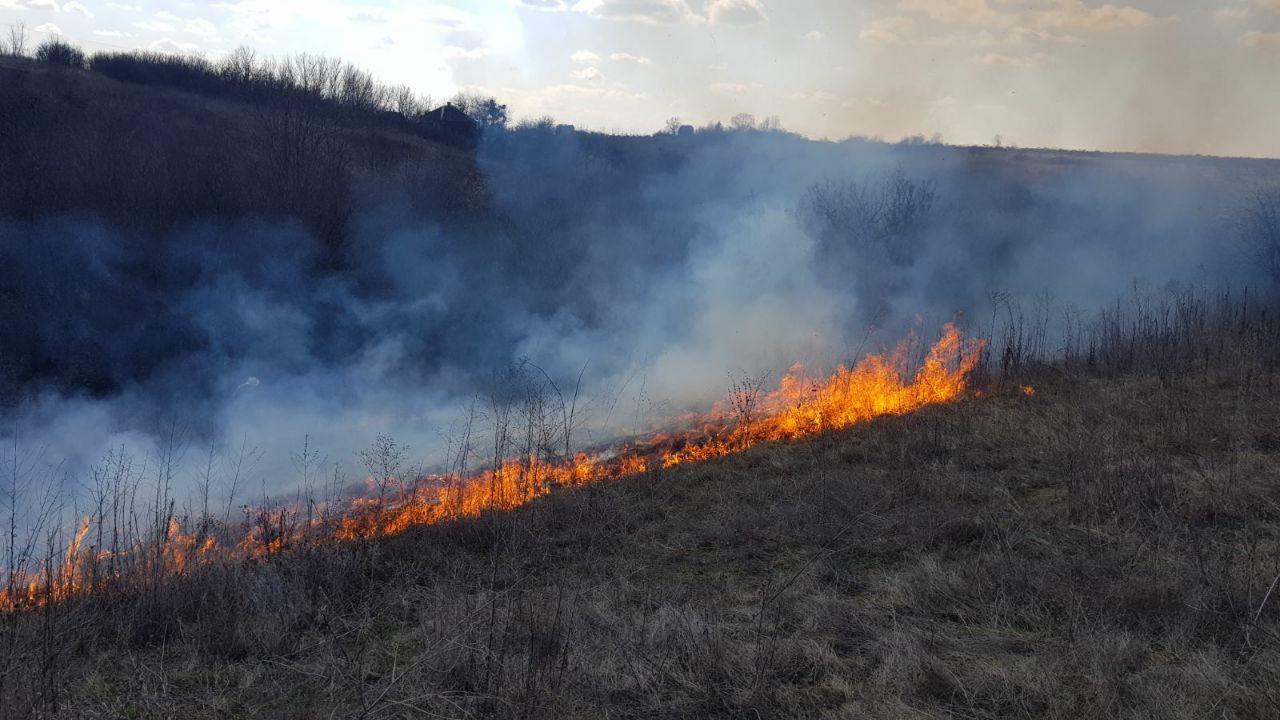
[
  {"x": 177, "y": 114},
  {"x": 1098, "y": 550}
]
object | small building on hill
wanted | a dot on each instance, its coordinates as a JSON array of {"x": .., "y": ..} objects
[{"x": 450, "y": 125}]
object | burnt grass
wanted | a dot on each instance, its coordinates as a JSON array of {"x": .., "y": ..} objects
[{"x": 1104, "y": 548}]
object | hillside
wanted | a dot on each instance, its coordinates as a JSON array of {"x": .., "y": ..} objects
[
  {"x": 150, "y": 158},
  {"x": 1103, "y": 548},
  {"x": 1023, "y": 458}
]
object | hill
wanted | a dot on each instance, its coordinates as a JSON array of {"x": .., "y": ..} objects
[
  {"x": 1101, "y": 548},
  {"x": 151, "y": 157},
  {"x": 1083, "y": 526}
]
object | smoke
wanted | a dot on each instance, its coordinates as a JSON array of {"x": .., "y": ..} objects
[{"x": 654, "y": 268}]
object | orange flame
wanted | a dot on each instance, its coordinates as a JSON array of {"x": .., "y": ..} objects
[{"x": 800, "y": 407}]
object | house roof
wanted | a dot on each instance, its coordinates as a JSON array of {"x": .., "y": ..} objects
[{"x": 447, "y": 113}]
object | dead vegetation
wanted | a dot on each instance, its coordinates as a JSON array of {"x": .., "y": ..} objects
[{"x": 1103, "y": 548}]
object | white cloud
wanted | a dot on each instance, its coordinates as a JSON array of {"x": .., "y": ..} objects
[
  {"x": 123, "y": 7},
  {"x": 736, "y": 12},
  {"x": 653, "y": 12},
  {"x": 167, "y": 16},
  {"x": 48, "y": 29},
  {"x": 629, "y": 58},
  {"x": 591, "y": 74},
  {"x": 112, "y": 34},
  {"x": 77, "y": 7},
  {"x": 170, "y": 46},
  {"x": 45, "y": 5},
  {"x": 584, "y": 57},
  {"x": 814, "y": 35}
]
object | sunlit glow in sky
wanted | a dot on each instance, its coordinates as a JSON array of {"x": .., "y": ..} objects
[{"x": 1182, "y": 76}]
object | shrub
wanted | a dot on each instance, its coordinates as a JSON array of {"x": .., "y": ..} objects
[{"x": 60, "y": 52}]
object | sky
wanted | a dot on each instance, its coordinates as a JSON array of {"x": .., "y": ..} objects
[{"x": 1172, "y": 76}]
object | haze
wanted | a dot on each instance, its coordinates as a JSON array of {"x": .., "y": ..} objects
[{"x": 1168, "y": 76}]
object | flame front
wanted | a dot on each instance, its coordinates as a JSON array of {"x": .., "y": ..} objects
[{"x": 800, "y": 407}]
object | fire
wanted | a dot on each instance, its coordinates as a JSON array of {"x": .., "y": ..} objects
[{"x": 801, "y": 406}]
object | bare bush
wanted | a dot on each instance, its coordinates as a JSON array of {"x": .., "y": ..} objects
[{"x": 59, "y": 52}]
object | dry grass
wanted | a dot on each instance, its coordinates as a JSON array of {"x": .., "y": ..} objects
[{"x": 1099, "y": 550}]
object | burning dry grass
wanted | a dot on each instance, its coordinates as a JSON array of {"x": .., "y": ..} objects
[
  {"x": 801, "y": 407},
  {"x": 1103, "y": 547}
]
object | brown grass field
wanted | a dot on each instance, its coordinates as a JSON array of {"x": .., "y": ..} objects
[{"x": 1104, "y": 548}]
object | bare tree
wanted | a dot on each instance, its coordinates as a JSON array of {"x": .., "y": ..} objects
[
  {"x": 743, "y": 121},
  {"x": 407, "y": 102},
  {"x": 672, "y": 127},
  {"x": 242, "y": 67},
  {"x": 17, "y": 42}
]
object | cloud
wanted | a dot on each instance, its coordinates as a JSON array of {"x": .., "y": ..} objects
[
  {"x": 736, "y": 12},
  {"x": 1234, "y": 14},
  {"x": 653, "y": 12},
  {"x": 1055, "y": 14},
  {"x": 112, "y": 34},
  {"x": 1075, "y": 15},
  {"x": 170, "y": 46},
  {"x": 1261, "y": 40},
  {"x": 958, "y": 12},
  {"x": 45, "y": 5},
  {"x": 549, "y": 5},
  {"x": 167, "y": 16},
  {"x": 123, "y": 7},
  {"x": 584, "y": 57},
  {"x": 590, "y": 74},
  {"x": 814, "y": 35},
  {"x": 77, "y": 7},
  {"x": 629, "y": 58},
  {"x": 48, "y": 29},
  {"x": 887, "y": 30}
]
